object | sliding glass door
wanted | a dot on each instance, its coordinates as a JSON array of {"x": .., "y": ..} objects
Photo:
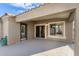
[
  {"x": 40, "y": 31},
  {"x": 23, "y": 31}
]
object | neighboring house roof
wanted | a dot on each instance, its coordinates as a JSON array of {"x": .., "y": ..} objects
[{"x": 8, "y": 14}]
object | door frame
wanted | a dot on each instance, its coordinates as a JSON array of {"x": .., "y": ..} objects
[
  {"x": 35, "y": 31},
  {"x": 25, "y": 30}
]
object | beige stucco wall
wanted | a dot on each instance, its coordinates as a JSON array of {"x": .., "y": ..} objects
[
  {"x": 31, "y": 27},
  {"x": 13, "y": 31},
  {"x": 76, "y": 34},
  {"x": 30, "y": 30},
  {"x": 68, "y": 28},
  {"x": 5, "y": 24},
  {"x": 46, "y": 23},
  {"x": 0, "y": 28}
]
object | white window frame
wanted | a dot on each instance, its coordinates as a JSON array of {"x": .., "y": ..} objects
[
  {"x": 35, "y": 29},
  {"x": 64, "y": 36}
]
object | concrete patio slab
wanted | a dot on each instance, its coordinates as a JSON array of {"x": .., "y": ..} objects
[{"x": 38, "y": 48}]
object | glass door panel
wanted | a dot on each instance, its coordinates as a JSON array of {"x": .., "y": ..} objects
[
  {"x": 43, "y": 31},
  {"x": 40, "y": 31},
  {"x": 37, "y": 31},
  {"x": 23, "y": 31}
]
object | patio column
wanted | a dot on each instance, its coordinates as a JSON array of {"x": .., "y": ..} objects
[{"x": 76, "y": 36}]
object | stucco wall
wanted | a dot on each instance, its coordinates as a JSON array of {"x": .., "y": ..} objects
[
  {"x": 14, "y": 31},
  {"x": 76, "y": 35},
  {"x": 31, "y": 27},
  {"x": 68, "y": 28},
  {"x": 5, "y": 26},
  {"x": 30, "y": 30},
  {"x": 11, "y": 29},
  {"x": 0, "y": 28}
]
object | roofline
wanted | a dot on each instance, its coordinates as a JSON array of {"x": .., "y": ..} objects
[
  {"x": 30, "y": 10},
  {"x": 8, "y": 15},
  {"x": 22, "y": 12}
]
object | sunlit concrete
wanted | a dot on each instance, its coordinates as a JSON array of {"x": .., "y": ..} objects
[{"x": 38, "y": 47}]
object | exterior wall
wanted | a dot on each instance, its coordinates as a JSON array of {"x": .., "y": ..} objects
[
  {"x": 76, "y": 36},
  {"x": 31, "y": 27},
  {"x": 46, "y": 22},
  {"x": 11, "y": 29},
  {"x": 30, "y": 30},
  {"x": 5, "y": 27},
  {"x": 14, "y": 31},
  {"x": 68, "y": 28},
  {"x": 0, "y": 28}
]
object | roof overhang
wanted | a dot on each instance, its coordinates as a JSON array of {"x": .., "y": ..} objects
[
  {"x": 62, "y": 15},
  {"x": 47, "y": 11}
]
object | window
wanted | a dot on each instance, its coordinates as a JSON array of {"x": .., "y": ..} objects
[{"x": 57, "y": 29}]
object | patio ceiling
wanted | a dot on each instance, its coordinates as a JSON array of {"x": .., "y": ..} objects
[
  {"x": 63, "y": 15},
  {"x": 56, "y": 15},
  {"x": 48, "y": 11}
]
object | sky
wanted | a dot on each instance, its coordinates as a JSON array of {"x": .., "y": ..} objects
[{"x": 17, "y": 8}]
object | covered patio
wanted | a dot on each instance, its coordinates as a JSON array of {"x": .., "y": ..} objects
[
  {"x": 44, "y": 44},
  {"x": 43, "y": 23}
]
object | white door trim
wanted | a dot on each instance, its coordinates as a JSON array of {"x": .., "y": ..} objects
[{"x": 35, "y": 29}]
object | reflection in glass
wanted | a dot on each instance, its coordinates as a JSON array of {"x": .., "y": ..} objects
[{"x": 56, "y": 29}]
